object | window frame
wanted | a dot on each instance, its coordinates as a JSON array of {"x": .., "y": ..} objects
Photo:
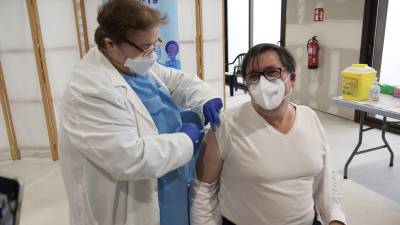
[
  {"x": 251, "y": 31},
  {"x": 372, "y": 40}
]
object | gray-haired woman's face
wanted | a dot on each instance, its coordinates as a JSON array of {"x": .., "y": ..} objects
[
  {"x": 267, "y": 61},
  {"x": 268, "y": 81}
]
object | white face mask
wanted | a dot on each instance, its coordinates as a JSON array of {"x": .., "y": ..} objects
[
  {"x": 141, "y": 64},
  {"x": 269, "y": 94}
]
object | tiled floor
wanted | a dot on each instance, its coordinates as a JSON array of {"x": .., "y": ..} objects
[{"x": 364, "y": 202}]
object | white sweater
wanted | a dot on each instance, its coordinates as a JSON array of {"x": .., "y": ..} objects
[{"x": 269, "y": 178}]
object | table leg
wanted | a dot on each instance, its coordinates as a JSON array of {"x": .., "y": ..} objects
[
  {"x": 360, "y": 136},
  {"x": 384, "y": 125}
]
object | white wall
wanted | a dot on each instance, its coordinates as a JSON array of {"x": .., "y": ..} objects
[{"x": 339, "y": 36}]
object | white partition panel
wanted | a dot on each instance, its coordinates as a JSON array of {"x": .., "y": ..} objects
[
  {"x": 213, "y": 44},
  {"x": 21, "y": 77},
  {"x": 60, "y": 42},
  {"x": 92, "y": 7},
  {"x": 4, "y": 146},
  {"x": 187, "y": 35}
]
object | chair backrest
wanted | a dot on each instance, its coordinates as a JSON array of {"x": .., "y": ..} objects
[{"x": 238, "y": 60}]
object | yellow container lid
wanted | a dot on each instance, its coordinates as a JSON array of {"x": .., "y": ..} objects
[{"x": 359, "y": 69}]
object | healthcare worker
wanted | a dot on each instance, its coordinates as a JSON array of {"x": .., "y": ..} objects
[
  {"x": 121, "y": 139},
  {"x": 268, "y": 162}
]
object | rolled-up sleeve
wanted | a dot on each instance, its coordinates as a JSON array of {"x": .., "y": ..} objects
[
  {"x": 204, "y": 209},
  {"x": 327, "y": 195}
]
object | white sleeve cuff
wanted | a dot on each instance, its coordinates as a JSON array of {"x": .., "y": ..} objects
[
  {"x": 338, "y": 215},
  {"x": 205, "y": 209}
]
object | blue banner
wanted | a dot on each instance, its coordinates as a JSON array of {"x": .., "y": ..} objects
[{"x": 168, "y": 53}]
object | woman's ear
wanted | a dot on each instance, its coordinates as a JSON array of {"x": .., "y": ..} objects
[
  {"x": 293, "y": 76},
  {"x": 114, "y": 51},
  {"x": 108, "y": 42},
  {"x": 292, "y": 79}
]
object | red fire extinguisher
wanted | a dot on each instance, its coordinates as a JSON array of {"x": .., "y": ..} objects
[{"x": 313, "y": 52}]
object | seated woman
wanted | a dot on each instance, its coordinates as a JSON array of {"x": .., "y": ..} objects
[{"x": 268, "y": 162}]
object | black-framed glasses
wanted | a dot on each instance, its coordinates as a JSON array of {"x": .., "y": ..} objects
[
  {"x": 149, "y": 47},
  {"x": 269, "y": 74}
]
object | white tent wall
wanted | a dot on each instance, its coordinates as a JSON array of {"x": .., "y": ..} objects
[
  {"x": 4, "y": 146},
  {"x": 213, "y": 44},
  {"x": 339, "y": 37},
  {"x": 20, "y": 74},
  {"x": 212, "y": 40},
  {"x": 60, "y": 42},
  {"x": 187, "y": 35},
  {"x": 91, "y": 8}
]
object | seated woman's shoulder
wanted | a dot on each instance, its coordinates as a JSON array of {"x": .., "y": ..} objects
[{"x": 236, "y": 110}]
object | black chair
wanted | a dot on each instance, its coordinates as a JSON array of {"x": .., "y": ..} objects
[{"x": 231, "y": 78}]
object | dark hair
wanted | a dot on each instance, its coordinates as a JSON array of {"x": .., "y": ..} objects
[
  {"x": 117, "y": 17},
  {"x": 251, "y": 58}
]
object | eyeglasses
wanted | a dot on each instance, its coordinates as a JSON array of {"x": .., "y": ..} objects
[
  {"x": 269, "y": 74},
  {"x": 149, "y": 47}
]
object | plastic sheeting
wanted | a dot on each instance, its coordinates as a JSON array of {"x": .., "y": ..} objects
[
  {"x": 19, "y": 66},
  {"x": 20, "y": 74}
]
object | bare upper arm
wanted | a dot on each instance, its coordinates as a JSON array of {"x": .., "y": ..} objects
[{"x": 209, "y": 163}]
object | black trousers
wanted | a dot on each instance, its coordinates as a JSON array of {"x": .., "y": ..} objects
[{"x": 225, "y": 221}]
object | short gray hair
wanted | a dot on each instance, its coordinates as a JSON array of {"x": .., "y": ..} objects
[{"x": 251, "y": 58}]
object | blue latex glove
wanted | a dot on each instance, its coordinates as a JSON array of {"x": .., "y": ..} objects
[
  {"x": 211, "y": 111},
  {"x": 192, "y": 131}
]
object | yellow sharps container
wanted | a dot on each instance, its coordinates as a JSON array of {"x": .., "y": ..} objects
[{"x": 357, "y": 81}]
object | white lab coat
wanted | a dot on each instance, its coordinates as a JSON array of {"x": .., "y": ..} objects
[{"x": 111, "y": 152}]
